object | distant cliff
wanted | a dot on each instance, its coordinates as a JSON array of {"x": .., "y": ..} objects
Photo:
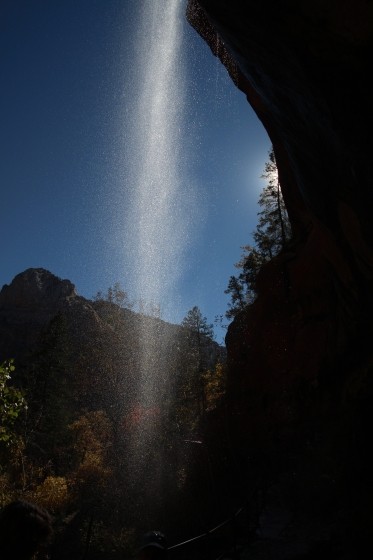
[
  {"x": 115, "y": 404},
  {"x": 31, "y": 301},
  {"x": 36, "y": 296}
]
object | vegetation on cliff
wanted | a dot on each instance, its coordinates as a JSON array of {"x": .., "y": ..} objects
[{"x": 271, "y": 236}]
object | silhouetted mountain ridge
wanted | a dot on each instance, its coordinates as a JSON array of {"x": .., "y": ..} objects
[{"x": 36, "y": 296}]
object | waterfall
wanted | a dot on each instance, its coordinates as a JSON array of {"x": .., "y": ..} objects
[
  {"x": 156, "y": 167},
  {"x": 158, "y": 214}
]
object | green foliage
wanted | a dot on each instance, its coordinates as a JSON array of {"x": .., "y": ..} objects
[
  {"x": 11, "y": 402},
  {"x": 270, "y": 236},
  {"x": 75, "y": 451},
  {"x": 50, "y": 388},
  {"x": 197, "y": 324},
  {"x": 239, "y": 295},
  {"x": 196, "y": 360},
  {"x": 273, "y": 229}
]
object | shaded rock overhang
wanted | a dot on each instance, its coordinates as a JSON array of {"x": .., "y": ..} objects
[
  {"x": 304, "y": 67},
  {"x": 300, "y": 358}
]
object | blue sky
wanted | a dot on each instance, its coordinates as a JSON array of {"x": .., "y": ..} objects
[{"x": 72, "y": 76}]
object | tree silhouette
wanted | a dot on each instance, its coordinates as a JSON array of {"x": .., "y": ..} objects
[{"x": 270, "y": 236}]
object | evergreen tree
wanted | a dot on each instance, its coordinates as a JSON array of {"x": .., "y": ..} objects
[
  {"x": 237, "y": 291},
  {"x": 273, "y": 230},
  {"x": 271, "y": 236},
  {"x": 198, "y": 337},
  {"x": 49, "y": 381},
  {"x": 196, "y": 323}
]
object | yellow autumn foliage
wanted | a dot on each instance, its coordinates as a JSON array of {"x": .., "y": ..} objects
[{"x": 52, "y": 493}]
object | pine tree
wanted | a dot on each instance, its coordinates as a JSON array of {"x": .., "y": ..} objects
[
  {"x": 197, "y": 342},
  {"x": 273, "y": 230},
  {"x": 196, "y": 323},
  {"x": 50, "y": 387},
  {"x": 236, "y": 288},
  {"x": 270, "y": 236}
]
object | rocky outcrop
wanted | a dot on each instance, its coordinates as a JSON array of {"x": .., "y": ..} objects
[
  {"x": 303, "y": 69},
  {"x": 36, "y": 296},
  {"x": 36, "y": 288},
  {"x": 300, "y": 359},
  {"x": 31, "y": 301}
]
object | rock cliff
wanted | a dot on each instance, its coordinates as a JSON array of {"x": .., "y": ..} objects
[
  {"x": 300, "y": 358},
  {"x": 31, "y": 301},
  {"x": 36, "y": 296}
]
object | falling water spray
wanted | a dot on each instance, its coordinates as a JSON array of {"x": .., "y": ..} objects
[
  {"x": 157, "y": 163},
  {"x": 159, "y": 211},
  {"x": 159, "y": 218}
]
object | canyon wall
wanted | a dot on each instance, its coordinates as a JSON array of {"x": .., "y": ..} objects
[{"x": 300, "y": 358}]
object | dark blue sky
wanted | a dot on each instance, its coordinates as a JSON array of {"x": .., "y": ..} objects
[{"x": 69, "y": 76}]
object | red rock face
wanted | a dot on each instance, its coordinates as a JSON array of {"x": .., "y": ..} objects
[{"x": 301, "y": 356}]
